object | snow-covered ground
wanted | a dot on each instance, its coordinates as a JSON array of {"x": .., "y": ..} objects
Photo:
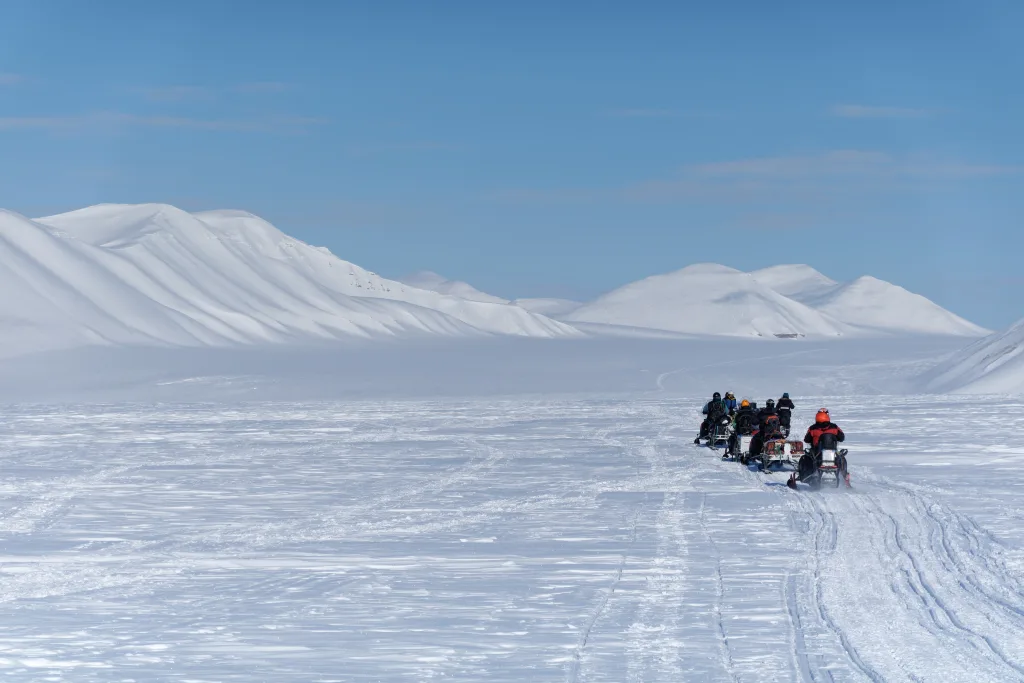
[
  {"x": 504, "y": 540},
  {"x": 459, "y": 368}
]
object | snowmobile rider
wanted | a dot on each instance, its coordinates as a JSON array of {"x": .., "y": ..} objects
[
  {"x": 746, "y": 424},
  {"x": 730, "y": 402},
  {"x": 785, "y": 409},
  {"x": 822, "y": 434},
  {"x": 714, "y": 409},
  {"x": 768, "y": 427}
]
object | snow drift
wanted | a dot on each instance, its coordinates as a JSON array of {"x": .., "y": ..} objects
[
  {"x": 153, "y": 274},
  {"x": 993, "y": 365},
  {"x": 707, "y": 299}
]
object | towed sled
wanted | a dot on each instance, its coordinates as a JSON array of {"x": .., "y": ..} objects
[{"x": 780, "y": 451}]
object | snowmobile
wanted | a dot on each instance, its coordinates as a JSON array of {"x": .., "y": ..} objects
[
  {"x": 719, "y": 433},
  {"x": 779, "y": 451},
  {"x": 830, "y": 470}
]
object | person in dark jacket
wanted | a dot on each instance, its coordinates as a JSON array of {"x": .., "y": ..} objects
[
  {"x": 745, "y": 421},
  {"x": 768, "y": 427},
  {"x": 785, "y": 407},
  {"x": 822, "y": 434},
  {"x": 714, "y": 409}
]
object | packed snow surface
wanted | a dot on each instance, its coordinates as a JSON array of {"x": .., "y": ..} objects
[
  {"x": 994, "y": 365},
  {"x": 426, "y": 279},
  {"x": 153, "y": 274},
  {"x": 504, "y": 540},
  {"x": 707, "y": 299}
]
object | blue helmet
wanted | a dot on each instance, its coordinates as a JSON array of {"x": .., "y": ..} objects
[{"x": 785, "y": 395}]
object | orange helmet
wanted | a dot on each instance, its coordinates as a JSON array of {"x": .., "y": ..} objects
[
  {"x": 822, "y": 416},
  {"x": 745, "y": 403}
]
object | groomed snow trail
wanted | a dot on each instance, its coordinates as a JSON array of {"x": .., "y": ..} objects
[{"x": 501, "y": 540}]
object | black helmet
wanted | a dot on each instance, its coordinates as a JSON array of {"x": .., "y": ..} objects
[
  {"x": 769, "y": 404},
  {"x": 785, "y": 395},
  {"x": 717, "y": 397}
]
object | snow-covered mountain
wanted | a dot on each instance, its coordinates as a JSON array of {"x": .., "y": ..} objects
[
  {"x": 993, "y": 365},
  {"x": 868, "y": 303},
  {"x": 781, "y": 300},
  {"x": 707, "y": 299},
  {"x": 433, "y": 282},
  {"x": 154, "y": 274},
  {"x": 795, "y": 281},
  {"x": 547, "y": 306}
]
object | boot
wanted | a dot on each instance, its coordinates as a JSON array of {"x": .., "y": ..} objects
[{"x": 791, "y": 482}]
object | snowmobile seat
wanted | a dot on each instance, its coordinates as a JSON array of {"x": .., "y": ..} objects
[{"x": 827, "y": 442}]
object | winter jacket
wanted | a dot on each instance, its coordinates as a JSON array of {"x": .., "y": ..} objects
[
  {"x": 746, "y": 420},
  {"x": 769, "y": 424},
  {"x": 715, "y": 409},
  {"x": 732, "y": 404},
  {"x": 784, "y": 403},
  {"x": 815, "y": 431}
]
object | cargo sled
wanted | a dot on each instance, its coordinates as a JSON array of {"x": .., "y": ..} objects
[{"x": 779, "y": 452}]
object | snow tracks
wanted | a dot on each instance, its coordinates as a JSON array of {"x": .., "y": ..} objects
[{"x": 566, "y": 541}]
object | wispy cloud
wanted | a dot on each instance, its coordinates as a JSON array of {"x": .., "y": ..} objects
[
  {"x": 181, "y": 93},
  {"x": 844, "y": 162},
  {"x": 861, "y": 111},
  {"x": 125, "y": 120},
  {"x": 832, "y": 173},
  {"x": 776, "y": 180},
  {"x": 10, "y": 79}
]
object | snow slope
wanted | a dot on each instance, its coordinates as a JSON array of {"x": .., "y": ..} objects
[
  {"x": 796, "y": 281},
  {"x": 426, "y": 279},
  {"x": 153, "y": 274},
  {"x": 555, "y": 308},
  {"x": 876, "y": 305},
  {"x": 993, "y": 365},
  {"x": 870, "y": 304},
  {"x": 707, "y": 299}
]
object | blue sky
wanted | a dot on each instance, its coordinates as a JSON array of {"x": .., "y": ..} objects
[{"x": 534, "y": 149}]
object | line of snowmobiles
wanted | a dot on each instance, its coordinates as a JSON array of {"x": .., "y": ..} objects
[{"x": 777, "y": 452}]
